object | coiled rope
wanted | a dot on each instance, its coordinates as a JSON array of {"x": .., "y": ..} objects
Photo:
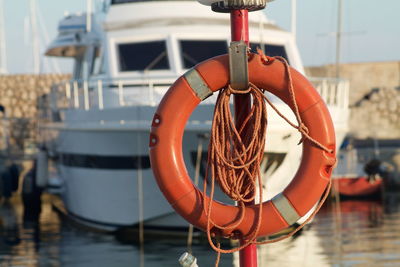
[{"x": 235, "y": 155}]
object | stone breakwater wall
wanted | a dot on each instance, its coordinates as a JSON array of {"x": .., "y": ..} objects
[
  {"x": 374, "y": 97},
  {"x": 19, "y": 93},
  {"x": 18, "y": 96},
  {"x": 377, "y": 115}
]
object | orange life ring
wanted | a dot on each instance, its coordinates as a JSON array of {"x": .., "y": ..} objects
[{"x": 168, "y": 164}]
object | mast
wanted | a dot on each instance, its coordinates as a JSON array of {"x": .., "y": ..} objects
[
  {"x": 3, "y": 55},
  {"x": 294, "y": 19},
  {"x": 35, "y": 38},
  {"x": 89, "y": 4},
  {"x": 339, "y": 37}
]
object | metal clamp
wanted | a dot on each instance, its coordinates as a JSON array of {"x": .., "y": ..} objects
[
  {"x": 226, "y": 6},
  {"x": 238, "y": 65}
]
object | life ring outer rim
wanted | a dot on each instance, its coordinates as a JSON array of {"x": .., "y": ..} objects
[{"x": 170, "y": 171}]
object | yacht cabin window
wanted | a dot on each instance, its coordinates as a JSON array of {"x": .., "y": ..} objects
[
  {"x": 196, "y": 51},
  {"x": 271, "y": 50},
  {"x": 143, "y": 56}
]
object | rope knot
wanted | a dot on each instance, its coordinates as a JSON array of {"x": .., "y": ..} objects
[
  {"x": 265, "y": 59},
  {"x": 304, "y": 132},
  {"x": 231, "y": 90}
]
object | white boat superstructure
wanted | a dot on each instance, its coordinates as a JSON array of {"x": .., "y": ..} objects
[{"x": 97, "y": 124}]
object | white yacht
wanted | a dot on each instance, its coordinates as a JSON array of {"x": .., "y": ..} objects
[{"x": 96, "y": 126}]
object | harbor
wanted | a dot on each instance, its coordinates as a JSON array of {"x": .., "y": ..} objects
[
  {"x": 138, "y": 134},
  {"x": 355, "y": 233}
]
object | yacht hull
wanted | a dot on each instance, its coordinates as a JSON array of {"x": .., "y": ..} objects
[{"x": 106, "y": 177}]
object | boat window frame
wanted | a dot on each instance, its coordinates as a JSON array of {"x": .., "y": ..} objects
[{"x": 114, "y": 43}]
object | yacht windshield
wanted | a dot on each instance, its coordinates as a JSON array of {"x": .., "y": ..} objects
[
  {"x": 195, "y": 51},
  {"x": 271, "y": 50},
  {"x": 143, "y": 56}
]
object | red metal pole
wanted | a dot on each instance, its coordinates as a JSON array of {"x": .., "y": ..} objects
[
  {"x": 242, "y": 104},
  {"x": 240, "y": 25}
]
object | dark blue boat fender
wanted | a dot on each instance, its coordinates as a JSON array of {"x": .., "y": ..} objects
[
  {"x": 31, "y": 195},
  {"x": 9, "y": 180},
  {"x": 42, "y": 176},
  {"x": 15, "y": 172},
  {"x": 6, "y": 181}
]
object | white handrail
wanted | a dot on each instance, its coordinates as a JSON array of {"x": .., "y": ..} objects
[
  {"x": 76, "y": 96},
  {"x": 86, "y": 95},
  {"x": 151, "y": 92},
  {"x": 335, "y": 92},
  {"x": 68, "y": 90},
  {"x": 121, "y": 93},
  {"x": 100, "y": 93}
]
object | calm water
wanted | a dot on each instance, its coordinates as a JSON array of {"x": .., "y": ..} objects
[{"x": 354, "y": 233}]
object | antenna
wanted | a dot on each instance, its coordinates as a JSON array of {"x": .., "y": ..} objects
[
  {"x": 339, "y": 34},
  {"x": 3, "y": 55},
  {"x": 339, "y": 37},
  {"x": 35, "y": 38}
]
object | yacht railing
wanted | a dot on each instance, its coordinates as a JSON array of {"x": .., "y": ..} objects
[
  {"x": 107, "y": 93},
  {"x": 335, "y": 92},
  {"x": 102, "y": 93}
]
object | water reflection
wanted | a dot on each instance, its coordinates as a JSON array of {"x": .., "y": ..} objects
[
  {"x": 349, "y": 233},
  {"x": 24, "y": 238},
  {"x": 52, "y": 242}
]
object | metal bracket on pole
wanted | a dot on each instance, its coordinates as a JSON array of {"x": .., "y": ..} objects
[
  {"x": 225, "y": 6},
  {"x": 238, "y": 65}
]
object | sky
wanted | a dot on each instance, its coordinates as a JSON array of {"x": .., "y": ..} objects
[{"x": 371, "y": 29}]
